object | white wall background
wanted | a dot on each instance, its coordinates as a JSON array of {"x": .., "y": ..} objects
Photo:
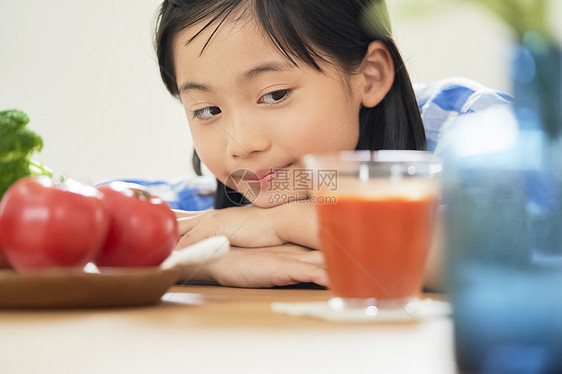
[{"x": 86, "y": 74}]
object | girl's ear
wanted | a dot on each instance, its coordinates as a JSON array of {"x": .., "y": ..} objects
[{"x": 377, "y": 73}]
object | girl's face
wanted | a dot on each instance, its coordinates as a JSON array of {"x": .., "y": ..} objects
[{"x": 253, "y": 114}]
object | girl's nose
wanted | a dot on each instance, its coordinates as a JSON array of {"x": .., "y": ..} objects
[{"x": 246, "y": 137}]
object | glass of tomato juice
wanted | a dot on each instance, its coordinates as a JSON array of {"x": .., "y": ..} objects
[{"x": 376, "y": 212}]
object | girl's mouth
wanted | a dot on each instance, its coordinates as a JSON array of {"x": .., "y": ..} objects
[{"x": 266, "y": 176}]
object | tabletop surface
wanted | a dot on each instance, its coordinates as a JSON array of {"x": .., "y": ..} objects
[{"x": 208, "y": 329}]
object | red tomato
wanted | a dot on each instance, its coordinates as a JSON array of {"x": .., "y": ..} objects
[
  {"x": 4, "y": 264},
  {"x": 143, "y": 228},
  {"x": 45, "y": 224}
]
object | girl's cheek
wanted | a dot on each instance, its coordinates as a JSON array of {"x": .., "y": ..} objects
[{"x": 212, "y": 154}]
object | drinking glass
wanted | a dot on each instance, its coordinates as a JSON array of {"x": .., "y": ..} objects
[{"x": 376, "y": 212}]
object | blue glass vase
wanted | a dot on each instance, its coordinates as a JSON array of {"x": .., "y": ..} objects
[{"x": 504, "y": 227}]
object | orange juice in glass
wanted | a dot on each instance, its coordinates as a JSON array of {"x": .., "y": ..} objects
[{"x": 376, "y": 212}]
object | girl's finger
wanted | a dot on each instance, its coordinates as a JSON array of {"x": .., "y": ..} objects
[
  {"x": 184, "y": 213},
  {"x": 187, "y": 240},
  {"x": 188, "y": 235},
  {"x": 309, "y": 273},
  {"x": 314, "y": 257},
  {"x": 303, "y": 254},
  {"x": 186, "y": 224}
]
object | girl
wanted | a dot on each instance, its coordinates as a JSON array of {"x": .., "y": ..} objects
[{"x": 263, "y": 83}]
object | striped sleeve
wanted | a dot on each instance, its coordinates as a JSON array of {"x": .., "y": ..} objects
[{"x": 442, "y": 102}]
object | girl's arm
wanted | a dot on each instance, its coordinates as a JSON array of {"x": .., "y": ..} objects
[
  {"x": 296, "y": 223},
  {"x": 250, "y": 226},
  {"x": 261, "y": 267}
]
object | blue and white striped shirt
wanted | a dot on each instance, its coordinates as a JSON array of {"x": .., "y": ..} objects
[{"x": 442, "y": 102}]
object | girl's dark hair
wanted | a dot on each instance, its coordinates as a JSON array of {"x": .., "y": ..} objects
[{"x": 310, "y": 32}]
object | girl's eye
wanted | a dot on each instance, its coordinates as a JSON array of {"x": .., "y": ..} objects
[
  {"x": 206, "y": 113},
  {"x": 275, "y": 97}
]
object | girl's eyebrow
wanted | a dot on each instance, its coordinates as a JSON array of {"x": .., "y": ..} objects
[
  {"x": 265, "y": 67},
  {"x": 187, "y": 86},
  {"x": 253, "y": 73}
]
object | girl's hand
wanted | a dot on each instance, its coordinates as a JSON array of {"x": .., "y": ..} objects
[
  {"x": 245, "y": 226},
  {"x": 185, "y": 213},
  {"x": 263, "y": 267},
  {"x": 250, "y": 226}
]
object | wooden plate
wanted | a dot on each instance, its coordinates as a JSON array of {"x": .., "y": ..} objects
[
  {"x": 110, "y": 287},
  {"x": 73, "y": 288}
]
